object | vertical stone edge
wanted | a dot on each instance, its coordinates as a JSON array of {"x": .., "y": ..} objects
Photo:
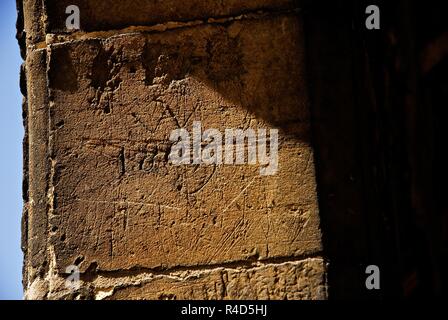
[
  {"x": 34, "y": 21},
  {"x": 35, "y": 227},
  {"x": 25, "y": 174}
]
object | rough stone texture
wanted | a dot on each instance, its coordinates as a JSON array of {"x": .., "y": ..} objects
[
  {"x": 102, "y": 194},
  {"x": 304, "y": 279},
  {"x": 115, "y": 125},
  {"x": 43, "y": 17},
  {"x": 291, "y": 281}
]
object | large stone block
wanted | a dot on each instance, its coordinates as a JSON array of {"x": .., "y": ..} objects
[
  {"x": 35, "y": 222},
  {"x": 115, "y": 200}
]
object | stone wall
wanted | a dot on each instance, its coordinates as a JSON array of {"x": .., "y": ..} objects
[{"x": 100, "y": 191}]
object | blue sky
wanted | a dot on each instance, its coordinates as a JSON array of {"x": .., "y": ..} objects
[{"x": 11, "y": 135}]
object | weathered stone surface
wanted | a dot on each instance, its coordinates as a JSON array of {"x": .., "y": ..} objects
[
  {"x": 119, "y": 204},
  {"x": 110, "y": 14},
  {"x": 100, "y": 190},
  {"x": 287, "y": 281},
  {"x": 36, "y": 151},
  {"x": 33, "y": 13}
]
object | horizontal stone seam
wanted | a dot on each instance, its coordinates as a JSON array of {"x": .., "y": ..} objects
[
  {"x": 247, "y": 264},
  {"x": 103, "y": 286},
  {"x": 58, "y": 38},
  {"x": 115, "y": 284}
]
